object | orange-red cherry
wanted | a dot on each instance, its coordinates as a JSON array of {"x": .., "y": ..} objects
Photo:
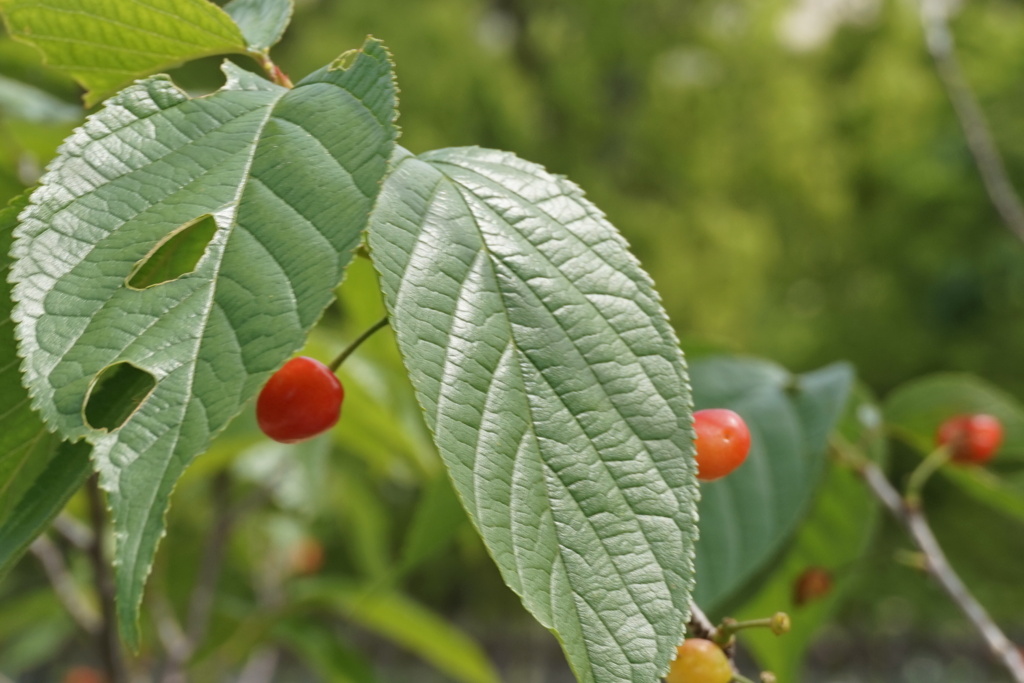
[
  {"x": 699, "y": 661},
  {"x": 300, "y": 400},
  {"x": 723, "y": 442},
  {"x": 812, "y": 584},
  {"x": 971, "y": 438}
]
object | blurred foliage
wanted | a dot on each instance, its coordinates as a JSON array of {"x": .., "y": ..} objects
[{"x": 791, "y": 174}]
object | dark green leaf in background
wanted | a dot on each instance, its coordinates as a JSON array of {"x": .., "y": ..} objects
[
  {"x": 64, "y": 474},
  {"x": 745, "y": 518},
  {"x": 401, "y": 620},
  {"x": 105, "y": 44},
  {"x": 831, "y": 539},
  {"x": 915, "y": 410},
  {"x": 262, "y": 22},
  {"x": 37, "y": 476},
  {"x": 23, "y": 101},
  {"x": 289, "y": 176},
  {"x": 556, "y": 394}
]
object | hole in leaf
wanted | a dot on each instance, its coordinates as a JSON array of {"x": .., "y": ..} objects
[
  {"x": 115, "y": 394},
  {"x": 175, "y": 255},
  {"x": 345, "y": 61}
]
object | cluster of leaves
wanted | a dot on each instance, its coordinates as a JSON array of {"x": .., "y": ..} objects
[{"x": 194, "y": 243}]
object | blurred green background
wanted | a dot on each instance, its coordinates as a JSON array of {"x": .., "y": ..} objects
[{"x": 791, "y": 174}]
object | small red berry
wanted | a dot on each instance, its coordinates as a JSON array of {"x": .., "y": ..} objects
[
  {"x": 699, "y": 661},
  {"x": 812, "y": 584},
  {"x": 300, "y": 400},
  {"x": 306, "y": 556},
  {"x": 723, "y": 442},
  {"x": 84, "y": 674},
  {"x": 971, "y": 438}
]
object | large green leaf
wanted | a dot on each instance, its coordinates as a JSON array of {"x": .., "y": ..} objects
[
  {"x": 556, "y": 394},
  {"x": 104, "y": 44},
  {"x": 262, "y": 21},
  {"x": 833, "y": 537},
  {"x": 746, "y": 517},
  {"x": 37, "y": 474},
  {"x": 289, "y": 176}
]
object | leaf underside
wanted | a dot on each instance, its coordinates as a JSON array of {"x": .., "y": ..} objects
[
  {"x": 289, "y": 176},
  {"x": 556, "y": 394}
]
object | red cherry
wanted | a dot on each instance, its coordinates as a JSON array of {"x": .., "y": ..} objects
[
  {"x": 300, "y": 400},
  {"x": 84, "y": 674},
  {"x": 723, "y": 441},
  {"x": 306, "y": 556},
  {"x": 812, "y": 584},
  {"x": 699, "y": 661},
  {"x": 971, "y": 438}
]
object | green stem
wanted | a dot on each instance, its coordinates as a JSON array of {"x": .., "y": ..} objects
[
  {"x": 350, "y": 349},
  {"x": 920, "y": 476},
  {"x": 273, "y": 70}
]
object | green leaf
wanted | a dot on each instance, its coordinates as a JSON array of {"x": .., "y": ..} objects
[
  {"x": 45, "y": 498},
  {"x": 262, "y": 22},
  {"x": 434, "y": 525},
  {"x": 556, "y": 394},
  {"x": 322, "y": 652},
  {"x": 22, "y": 101},
  {"x": 404, "y": 622},
  {"x": 915, "y": 410},
  {"x": 105, "y": 44},
  {"x": 37, "y": 476},
  {"x": 289, "y": 176},
  {"x": 25, "y": 444},
  {"x": 745, "y": 518},
  {"x": 832, "y": 539}
]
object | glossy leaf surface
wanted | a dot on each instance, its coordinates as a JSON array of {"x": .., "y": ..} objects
[
  {"x": 556, "y": 394},
  {"x": 154, "y": 160}
]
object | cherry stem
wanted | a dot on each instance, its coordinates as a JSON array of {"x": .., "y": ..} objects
[
  {"x": 778, "y": 623},
  {"x": 920, "y": 476},
  {"x": 350, "y": 349},
  {"x": 273, "y": 70}
]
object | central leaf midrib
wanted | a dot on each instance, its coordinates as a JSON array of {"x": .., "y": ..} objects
[
  {"x": 622, "y": 498},
  {"x": 571, "y": 284}
]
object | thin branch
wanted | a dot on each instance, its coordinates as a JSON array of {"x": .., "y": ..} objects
[
  {"x": 700, "y": 625},
  {"x": 942, "y": 47},
  {"x": 180, "y": 643},
  {"x": 110, "y": 643},
  {"x": 201, "y": 602},
  {"x": 77, "y": 533},
  {"x": 938, "y": 566},
  {"x": 261, "y": 667},
  {"x": 56, "y": 569}
]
